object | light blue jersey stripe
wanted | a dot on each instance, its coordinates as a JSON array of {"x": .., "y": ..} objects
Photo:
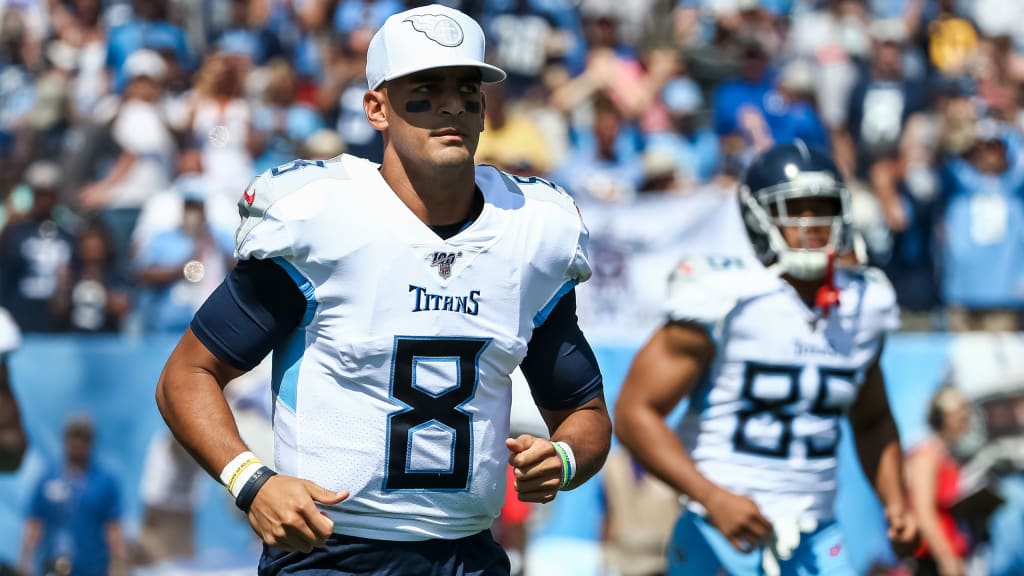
[
  {"x": 284, "y": 379},
  {"x": 304, "y": 285},
  {"x": 288, "y": 356},
  {"x": 542, "y": 316}
]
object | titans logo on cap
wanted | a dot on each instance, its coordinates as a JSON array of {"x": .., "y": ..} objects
[{"x": 438, "y": 27}]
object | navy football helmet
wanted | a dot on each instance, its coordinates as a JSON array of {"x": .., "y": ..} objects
[{"x": 776, "y": 177}]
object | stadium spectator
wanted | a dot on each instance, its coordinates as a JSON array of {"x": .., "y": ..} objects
[
  {"x": 280, "y": 124},
  {"x": 982, "y": 214},
  {"x": 74, "y": 516},
  {"x": 639, "y": 513},
  {"x": 220, "y": 123},
  {"x": 738, "y": 102},
  {"x": 933, "y": 482},
  {"x": 147, "y": 149},
  {"x": 526, "y": 38},
  {"x": 33, "y": 252},
  {"x": 177, "y": 269},
  {"x": 693, "y": 147},
  {"x": 605, "y": 164},
  {"x": 17, "y": 91},
  {"x": 880, "y": 103},
  {"x": 80, "y": 50},
  {"x": 340, "y": 96},
  {"x": 245, "y": 34},
  {"x": 148, "y": 28},
  {"x": 92, "y": 296},
  {"x": 511, "y": 140}
]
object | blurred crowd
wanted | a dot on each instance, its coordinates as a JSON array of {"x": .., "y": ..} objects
[{"x": 129, "y": 128}]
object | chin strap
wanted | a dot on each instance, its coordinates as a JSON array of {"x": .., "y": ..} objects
[{"x": 828, "y": 296}]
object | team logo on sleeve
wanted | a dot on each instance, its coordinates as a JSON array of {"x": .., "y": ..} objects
[
  {"x": 443, "y": 262},
  {"x": 438, "y": 27},
  {"x": 249, "y": 195}
]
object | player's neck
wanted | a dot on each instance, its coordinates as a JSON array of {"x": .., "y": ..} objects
[
  {"x": 437, "y": 197},
  {"x": 806, "y": 289}
]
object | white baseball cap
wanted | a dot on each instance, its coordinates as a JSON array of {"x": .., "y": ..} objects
[{"x": 427, "y": 37}]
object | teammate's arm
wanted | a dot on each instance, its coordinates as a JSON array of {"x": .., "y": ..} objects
[
  {"x": 666, "y": 369},
  {"x": 245, "y": 317},
  {"x": 566, "y": 385},
  {"x": 12, "y": 433},
  {"x": 881, "y": 458}
]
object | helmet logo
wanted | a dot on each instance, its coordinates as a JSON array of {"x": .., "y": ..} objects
[{"x": 438, "y": 27}]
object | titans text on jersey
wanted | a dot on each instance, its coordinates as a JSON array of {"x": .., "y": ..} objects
[
  {"x": 765, "y": 422},
  {"x": 399, "y": 371}
]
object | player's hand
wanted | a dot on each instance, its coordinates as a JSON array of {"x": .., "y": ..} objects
[
  {"x": 902, "y": 531},
  {"x": 738, "y": 519},
  {"x": 536, "y": 466},
  {"x": 284, "y": 514}
]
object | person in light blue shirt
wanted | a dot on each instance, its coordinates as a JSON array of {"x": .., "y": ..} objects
[
  {"x": 74, "y": 516},
  {"x": 694, "y": 147},
  {"x": 148, "y": 29},
  {"x": 983, "y": 242},
  {"x": 178, "y": 268}
]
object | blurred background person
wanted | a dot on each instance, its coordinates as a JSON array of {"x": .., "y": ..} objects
[
  {"x": 147, "y": 146},
  {"x": 280, "y": 123},
  {"x": 34, "y": 250},
  {"x": 74, "y": 518},
  {"x": 220, "y": 123},
  {"x": 982, "y": 213},
  {"x": 177, "y": 269},
  {"x": 933, "y": 484},
  {"x": 640, "y": 512},
  {"x": 92, "y": 296}
]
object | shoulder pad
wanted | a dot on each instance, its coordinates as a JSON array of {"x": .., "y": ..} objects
[
  {"x": 706, "y": 288},
  {"x": 10, "y": 336},
  {"x": 537, "y": 188},
  {"x": 879, "y": 298},
  {"x": 265, "y": 190}
]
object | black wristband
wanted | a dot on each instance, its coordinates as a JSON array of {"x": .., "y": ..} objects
[{"x": 248, "y": 492}]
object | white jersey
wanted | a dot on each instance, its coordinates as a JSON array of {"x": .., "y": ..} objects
[
  {"x": 397, "y": 385},
  {"x": 10, "y": 336},
  {"x": 765, "y": 422}
]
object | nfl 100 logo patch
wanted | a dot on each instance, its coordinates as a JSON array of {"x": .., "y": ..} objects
[{"x": 443, "y": 262}]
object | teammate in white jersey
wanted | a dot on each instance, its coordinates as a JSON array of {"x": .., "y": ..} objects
[
  {"x": 397, "y": 300},
  {"x": 12, "y": 433},
  {"x": 772, "y": 352}
]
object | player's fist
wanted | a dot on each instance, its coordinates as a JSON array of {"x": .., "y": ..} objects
[
  {"x": 902, "y": 530},
  {"x": 284, "y": 514},
  {"x": 738, "y": 519},
  {"x": 536, "y": 466}
]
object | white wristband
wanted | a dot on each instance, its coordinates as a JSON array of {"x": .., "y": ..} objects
[
  {"x": 238, "y": 471},
  {"x": 568, "y": 463}
]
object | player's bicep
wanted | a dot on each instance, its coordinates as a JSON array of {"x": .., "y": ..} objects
[
  {"x": 667, "y": 367},
  {"x": 256, "y": 307},
  {"x": 872, "y": 404},
  {"x": 560, "y": 366}
]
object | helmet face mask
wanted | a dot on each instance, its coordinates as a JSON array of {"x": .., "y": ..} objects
[{"x": 796, "y": 210}]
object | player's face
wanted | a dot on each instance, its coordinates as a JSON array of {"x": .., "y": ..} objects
[
  {"x": 436, "y": 115},
  {"x": 810, "y": 237}
]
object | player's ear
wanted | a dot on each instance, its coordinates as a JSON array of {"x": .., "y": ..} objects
[{"x": 375, "y": 106}]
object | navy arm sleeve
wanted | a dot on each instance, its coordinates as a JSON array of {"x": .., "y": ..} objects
[
  {"x": 560, "y": 366},
  {"x": 256, "y": 307}
]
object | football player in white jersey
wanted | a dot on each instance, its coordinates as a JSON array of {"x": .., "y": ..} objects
[
  {"x": 12, "y": 433},
  {"x": 397, "y": 300},
  {"x": 772, "y": 352}
]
